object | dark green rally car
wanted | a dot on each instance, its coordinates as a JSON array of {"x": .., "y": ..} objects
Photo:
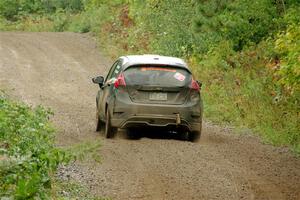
[{"x": 149, "y": 91}]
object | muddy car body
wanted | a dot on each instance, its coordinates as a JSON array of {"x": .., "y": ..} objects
[{"x": 149, "y": 91}]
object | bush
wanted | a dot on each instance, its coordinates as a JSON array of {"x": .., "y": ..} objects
[
  {"x": 91, "y": 20},
  {"x": 14, "y": 9},
  {"x": 237, "y": 21},
  {"x": 28, "y": 156},
  {"x": 60, "y": 20},
  {"x": 9, "y": 9},
  {"x": 287, "y": 46},
  {"x": 168, "y": 22}
]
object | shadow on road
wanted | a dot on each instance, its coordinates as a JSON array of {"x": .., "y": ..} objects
[{"x": 155, "y": 133}]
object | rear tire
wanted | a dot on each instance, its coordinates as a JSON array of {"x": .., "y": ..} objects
[
  {"x": 184, "y": 135},
  {"x": 109, "y": 130},
  {"x": 99, "y": 123},
  {"x": 194, "y": 136}
]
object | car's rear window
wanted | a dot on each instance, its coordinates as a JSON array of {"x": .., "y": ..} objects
[{"x": 157, "y": 76}]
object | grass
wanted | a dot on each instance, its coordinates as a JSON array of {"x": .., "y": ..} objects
[
  {"x": 86, "y": 150},
  {"x": 245, "y": 97}
]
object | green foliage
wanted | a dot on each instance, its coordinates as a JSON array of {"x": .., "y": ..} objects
[
  {"x": 91, "y": 4},
  {"x": 9, "y": 9},
  {"x": 91, "y": 20},
  {"x": 241, "y": 90},
  {"x": 237, "y": 21},
  {"x": 28, "y": 156},
  {"x": 60, "y": 21},
  {"x": 168, "y": 22},
  {"x": 287, "y": 45},
  {"x": 15, "y": 9},
  {"x": 85, "y": 151}
]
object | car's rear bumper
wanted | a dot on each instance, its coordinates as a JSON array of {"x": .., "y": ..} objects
[
  {"x": 186, "y": 116},
  {"x": 155, "y": 121}
]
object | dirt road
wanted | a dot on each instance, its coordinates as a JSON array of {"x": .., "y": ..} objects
[{"x": 54, "y": 69}]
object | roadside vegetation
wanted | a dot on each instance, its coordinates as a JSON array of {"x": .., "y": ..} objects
[
  {"x": 247, "y": 53},
  {"x": 29, "y": 158}
]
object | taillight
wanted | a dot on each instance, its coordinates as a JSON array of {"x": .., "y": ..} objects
[
  {"x": 194, "y": 85},
  {"x": 120, "y": 81}
]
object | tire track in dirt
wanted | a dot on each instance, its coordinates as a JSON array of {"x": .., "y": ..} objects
[{"x": 54, "y": 69}]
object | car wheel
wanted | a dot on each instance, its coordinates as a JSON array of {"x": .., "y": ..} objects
[
  {"x": 184, "y": 135},
  {"x": 194, "y": 136},
  {"x": 109, "y": 130},
  {"x": 99, "y": 123}
]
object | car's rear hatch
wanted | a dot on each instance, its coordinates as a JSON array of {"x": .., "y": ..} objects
[{"x": 155, "y": 84}]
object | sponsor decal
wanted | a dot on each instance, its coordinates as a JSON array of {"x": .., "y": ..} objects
[{"x": 179, "y": 76}]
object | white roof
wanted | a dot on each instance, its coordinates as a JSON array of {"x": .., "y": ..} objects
[{"x": 152, "y": 59}]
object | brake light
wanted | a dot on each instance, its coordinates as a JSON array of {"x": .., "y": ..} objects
[
  {"x": 194, "y": 85},
  {"x": 120, "y": 81}
]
